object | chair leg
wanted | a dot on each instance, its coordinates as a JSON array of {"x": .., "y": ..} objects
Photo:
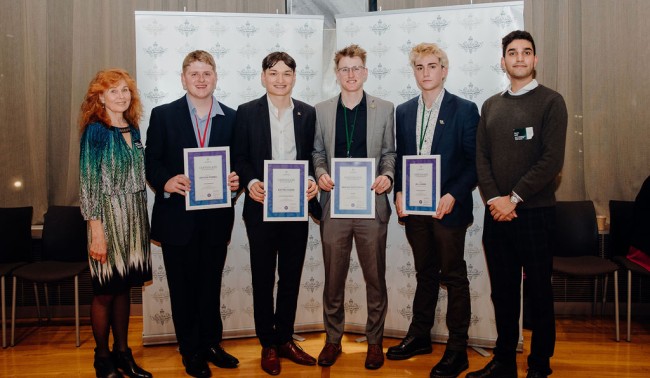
[
  {"x": 13, "y": 310},
  {"x": 602, "y": 307},
  {"x": 76, "y": 307},
  {"x": 629, "y": 304},
  {"x": 4, "y": 314},
  {"x": 38, "y": 303},
  {"x": 618, "y": 332},
  {"x": 47, "y": 303}
]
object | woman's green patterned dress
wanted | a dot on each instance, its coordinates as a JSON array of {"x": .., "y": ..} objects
[{"x": 113, "y": 190}]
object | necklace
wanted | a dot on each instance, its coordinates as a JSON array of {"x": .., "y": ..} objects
[{"x": 123, "y": 130}]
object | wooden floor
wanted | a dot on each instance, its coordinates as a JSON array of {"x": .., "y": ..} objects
[{"x": 585, "y": 348}]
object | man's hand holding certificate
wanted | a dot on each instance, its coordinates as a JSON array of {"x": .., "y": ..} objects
[{"x": 209, "y": 180}]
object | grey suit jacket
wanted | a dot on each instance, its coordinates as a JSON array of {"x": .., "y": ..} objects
[{"x": 380, "y": 144}]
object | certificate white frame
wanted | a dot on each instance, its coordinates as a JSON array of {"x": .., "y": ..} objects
[
  {"x": 301, "y": 166},
  {"x": 367, "y": 164},
  {"x": 189, "y": 156},
  {"x": 407, "y": 163}
]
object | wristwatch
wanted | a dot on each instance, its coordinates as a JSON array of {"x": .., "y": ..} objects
[{"x": 514, "y": 198}]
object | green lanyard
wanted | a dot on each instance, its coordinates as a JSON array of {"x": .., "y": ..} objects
[
  {"x": 422, "y": 126},
  {"x": 349, "y": 134}
]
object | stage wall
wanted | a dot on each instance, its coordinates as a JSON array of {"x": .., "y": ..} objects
[{"x": 470, "y": 35}]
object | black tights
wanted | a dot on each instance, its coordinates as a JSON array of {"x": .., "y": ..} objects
[{"x": 110, "y": 311}]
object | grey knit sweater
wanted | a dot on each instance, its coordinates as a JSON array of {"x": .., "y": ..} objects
[{"x": 520, "y": 146}]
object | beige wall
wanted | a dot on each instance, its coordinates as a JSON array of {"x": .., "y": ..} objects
[{"x": 592, "y": 51}]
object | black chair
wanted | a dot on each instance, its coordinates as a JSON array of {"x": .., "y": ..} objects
[
  {"x": 15, "y": 249},
  {"x": 576, "y": 250},
  {"x": 621, "y": 215},
  {"x": 64, "y": 256}
]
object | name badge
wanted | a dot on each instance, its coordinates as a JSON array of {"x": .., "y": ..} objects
[
  {"x": 523, "y": 133},
  {"x": 138, "y": 144}
]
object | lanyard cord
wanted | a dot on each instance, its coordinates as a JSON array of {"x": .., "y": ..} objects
[
  {"x": 349, "y": 134},
  {"x": 422, "y": 126},
  {"x": 205, "y": 129}
]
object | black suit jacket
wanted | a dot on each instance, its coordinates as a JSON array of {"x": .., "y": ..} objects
[
  {"x": 454, "y": 139},
  {"x": 170, "y": 131},
  {"x": 252, "y": 145}
]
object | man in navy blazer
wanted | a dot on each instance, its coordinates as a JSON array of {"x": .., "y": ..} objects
[
  {"x": 274, "y": 127},
  {"x": 194, "y": 243},
  {"x": 438, "y": 123}
]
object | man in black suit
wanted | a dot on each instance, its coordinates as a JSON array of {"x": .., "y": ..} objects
[
  {"x": 438, "y": 123},
  {"x": 194, "y": 243},
  {"x": 274, "y": 127}
]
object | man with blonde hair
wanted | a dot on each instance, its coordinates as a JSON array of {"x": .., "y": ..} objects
[
  {"x": 354, "y": 125},
  {"x": 438, "y": 123},
  {"x": 194, "y": 243}
]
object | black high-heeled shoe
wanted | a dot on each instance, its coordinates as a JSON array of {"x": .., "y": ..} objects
[
  {"x": 125, "y": 362},
  {"x": 104, "y": 368}
]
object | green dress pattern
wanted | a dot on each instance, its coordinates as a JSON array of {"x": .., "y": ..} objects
[{"x": 113, "y": 190}]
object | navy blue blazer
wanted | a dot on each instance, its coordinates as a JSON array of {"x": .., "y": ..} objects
[
  {"x": 454, "y": 139},
  {"x": 170, "y": 131},
  {"x": 252, "y": 145}
]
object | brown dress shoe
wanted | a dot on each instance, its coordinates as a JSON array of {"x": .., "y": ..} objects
[
  {"x": 270, "y": 361},
  {"x": 328, "y": 355},
  {"x": 295, "y": 353},
  {"x": 375, "y": 357}
]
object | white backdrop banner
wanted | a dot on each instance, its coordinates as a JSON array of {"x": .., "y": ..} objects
[
  {"x": 238, "y": 43},
  {"x": 471, "y": 36}
]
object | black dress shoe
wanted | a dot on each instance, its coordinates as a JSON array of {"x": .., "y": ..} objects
[
  {"x": 451, "y": 365},
  {"x": 104, "y": 368},
  {"x": 409, "y": 347},
  {"x": 125, "y": 362},
  {"x": 495, "y": 369},
  {"x": 221, "y": 358},
  {"x": 196, "y": 366}
]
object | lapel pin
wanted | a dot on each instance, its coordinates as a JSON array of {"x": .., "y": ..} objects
[{"x": 372, "y": 106}]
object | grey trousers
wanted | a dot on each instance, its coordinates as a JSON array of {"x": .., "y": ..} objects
[{"x": 370, "y": 240}]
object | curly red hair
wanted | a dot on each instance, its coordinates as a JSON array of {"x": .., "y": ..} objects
[{"x": 92, "y": 110}]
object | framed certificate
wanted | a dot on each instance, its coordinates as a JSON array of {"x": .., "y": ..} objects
[
  {"x": 285, "y": 183},
  {"x": 208, "y": 170},
  {"x": 351, "y": 196},
  {"x": 420, "y": 184}
]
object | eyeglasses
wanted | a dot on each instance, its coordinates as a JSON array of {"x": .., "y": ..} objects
[{"x": 354, "y": 69}]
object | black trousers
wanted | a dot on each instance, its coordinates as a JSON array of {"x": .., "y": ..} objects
[
  {"x": 281, "y": 245},
  {"x": 525, "y": 242},
  {"x": 438, "y": 254},
  {"x": 194, "y": 274}
]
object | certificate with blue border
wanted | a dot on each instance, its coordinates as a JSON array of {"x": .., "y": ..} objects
[
  {"x": 285, "y": 184},
  {"x": 352, "y": 196},
  {"x": 420, "y": 184},
  {"x": 207, "y": 169}
]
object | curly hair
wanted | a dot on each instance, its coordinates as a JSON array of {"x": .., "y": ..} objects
[
  {"x": 351, "y": 51},
  {"x": 92, "y": 109}
]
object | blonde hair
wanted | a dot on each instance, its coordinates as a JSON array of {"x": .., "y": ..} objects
[
  {"x": 426, "y": 49},
  {"x": 199, "y": 56}
]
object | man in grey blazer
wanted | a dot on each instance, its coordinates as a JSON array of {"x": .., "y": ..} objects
[{"x": 354, "y": 125}]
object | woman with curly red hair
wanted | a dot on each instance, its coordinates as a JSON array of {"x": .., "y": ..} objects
[{"x": 114, "y": 202}]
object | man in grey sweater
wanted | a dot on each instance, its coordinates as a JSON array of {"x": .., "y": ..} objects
[{"x": 520, "y": 152}]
